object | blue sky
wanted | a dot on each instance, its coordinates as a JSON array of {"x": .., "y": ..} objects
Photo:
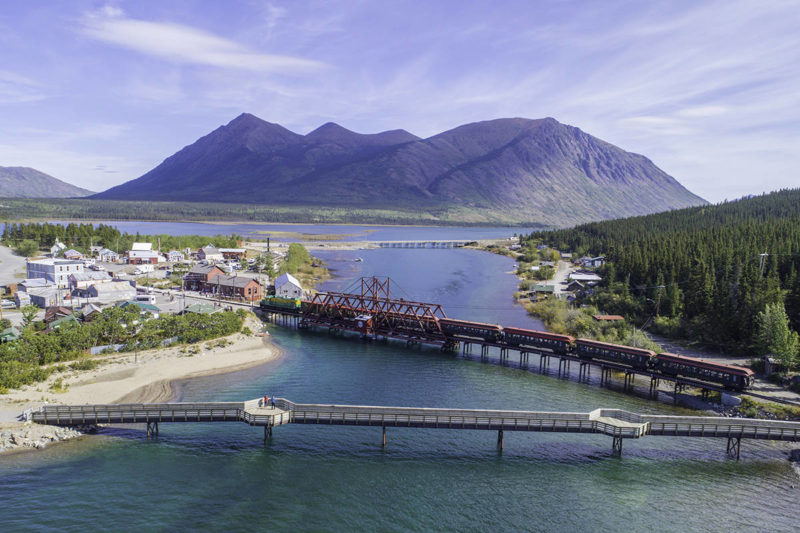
[{"x": 97, "y": 93}]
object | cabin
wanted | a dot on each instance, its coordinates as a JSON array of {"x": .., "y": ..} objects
[
  {"x": 287, "y": 286},
  {"x": 198, "y": 277}
]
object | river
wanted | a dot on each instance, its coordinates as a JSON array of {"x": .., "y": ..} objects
[{"x": 222, "y": 477}]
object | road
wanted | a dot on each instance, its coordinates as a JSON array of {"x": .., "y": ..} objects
[
  {"x": 10, "y": 266},
  {"x": 559, "y": 281}
]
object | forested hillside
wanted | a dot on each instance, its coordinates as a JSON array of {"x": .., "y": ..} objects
[{"x": 702, "y": 270}]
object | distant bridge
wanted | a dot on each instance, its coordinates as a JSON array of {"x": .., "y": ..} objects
[
  {"x": 615, "y": 423},
  {"x": 424, "y": 244}
]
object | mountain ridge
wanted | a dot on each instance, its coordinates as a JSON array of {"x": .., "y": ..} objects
[
  {"x": 27, "y": 182},
  {"x": 545, "y": 170}
]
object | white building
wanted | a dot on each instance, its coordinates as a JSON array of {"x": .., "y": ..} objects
[
  {"x": 56, "y": 271},
  {"x": 107, "y": 292},
  {"x": 287, "y": 286},
  {"x": 142, "y": 253},
  {"x": 593, "y": 261},
  {"x": 175, "y": 256},
  {"x": 209, "y": 253},
  {"x": 84, "y": 280},
  {"x": 109, "y": 256},
  {"x": 57, "y": 248},
  {"x": 585, "y": 277}
]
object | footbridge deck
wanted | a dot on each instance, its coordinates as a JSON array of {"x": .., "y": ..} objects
[{"x": 615, "y": 423}]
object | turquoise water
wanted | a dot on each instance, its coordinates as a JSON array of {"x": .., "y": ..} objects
[{"x": 317, "y": 478}]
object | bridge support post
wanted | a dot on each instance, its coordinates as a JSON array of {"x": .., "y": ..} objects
[
  {"x": 653, "y": 387},
  {"x": 384, "y": 436},
  {"x": 500, "y": 439},
  {"x": 734, "y": 447},
  {"x": 152, "y": 429},
  {"x": 616, "y": 446},
  {"x": 267, "y": 433},
  {"x": 484, "y": 351}
]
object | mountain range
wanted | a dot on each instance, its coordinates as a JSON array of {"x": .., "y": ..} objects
[
  {"x": 25, "y": 182},
  {"x": 510, "y": 169}
]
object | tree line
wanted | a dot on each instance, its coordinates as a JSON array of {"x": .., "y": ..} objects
[
  {"x": 706, "y": 273},
  {"x": 81, "y": 236}
]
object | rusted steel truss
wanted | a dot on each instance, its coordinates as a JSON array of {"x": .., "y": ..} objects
[{"x": 391, "y": 317}]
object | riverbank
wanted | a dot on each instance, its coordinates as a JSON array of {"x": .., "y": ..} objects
[{"x": 131, "y": 378}]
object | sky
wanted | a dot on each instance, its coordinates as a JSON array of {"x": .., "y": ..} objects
[{"x": 97, "y": 93}]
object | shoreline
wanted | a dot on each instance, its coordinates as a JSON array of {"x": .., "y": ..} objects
[{"x": 151, "y": 376}]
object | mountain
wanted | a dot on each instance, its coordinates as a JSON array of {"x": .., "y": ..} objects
[
  {"x": 25, "y": 182},
  {"x": 510, "y": 169}
]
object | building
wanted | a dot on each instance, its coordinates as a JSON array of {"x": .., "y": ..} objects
[
  {"x": 209, "y": 253},
  {"x": 55, "y": 312},
  {"x": 201, "y": 309},
  {"x": 175, "y": 256},
  {"x": 66, "y": 320},
  {"x": 587, "y": 278},
  {"x": 198, "y": 277},
  {"x": 81, "y": 281},
  {"x": 144, "y": 308},
  {"x": 22, "y": 298},
  {"x": 233, "y": 253},
  {"x": 9, "y": 334},
  {"x": 141, "y": 253},
  {"x": 109, "y": 256},
  {"x": 107, "y": 292},
  {"x": 57, "y": 248},
  {"x": 35, "y": 283},
  {"x": 89, "y": 312},
  {"x": 287, "y": 286},
  {"x": 56, "y": 271},
  {"x": 240, "y": 287},
  {"x": 44, "y": 298},
  {"x": 73, "y": 254},
  {"x": 608, "y": 318},
  {"x": 590, "y": 262},
  {"x": 575, "y": 286}
]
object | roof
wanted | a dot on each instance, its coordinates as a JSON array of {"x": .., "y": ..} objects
[
  {"x": 106, "y": 251},
  {"x": 90, "y": 276},
  {"x": 72, "y": 251},
  {"x": 233, "y": 250},
  {"x": 287, "y": 278},
  {"x": 231, "y": 281},
  {"x": 51, "y": 261},
  {"x": 90, "y": 309},
  {"x": 63, "y": 320},
  {"x": 31, "y": 283},
  {"x": 210, "y": 249},
  {"x": 201, "y": 309},
  {"x": 174, "y": 252},
  {"x": 142, "y": 305},
  {"x": 585, "y": 277},
  {"x": 142, "y": 246},
  {"x": 543, "y": 288},
  {"x": 105, "y": 287},
  {"x": 203, "y": 269},
  {"x": 142, "y": 253},
  {"x": 608, "y": 318},
  {"x": 11, "y": 333}
]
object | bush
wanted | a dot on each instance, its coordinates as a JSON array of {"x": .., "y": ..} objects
[{"x": 27, "y": 248}]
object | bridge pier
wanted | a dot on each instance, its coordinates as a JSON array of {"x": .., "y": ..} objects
[
  {"x": 605, "y": 375},
  {"x": 734, "y": 447},
  {"x": 384, "y": 436},
  {"x": 484, "y": 351},
  {"x": 679, "y": 387},
  {"x": 152, "y": 429},
  {"x": 586, "y": 370},
  {"x": 654, "y": 381},
  {"x": 523, "y": 358},
  {"x": 616, "y": 446},
  {"x": 629, "y": 378},
  {"x": 563, "y": 366},
  {"x": 267, "y": 433},
  {"x": 503, "y": 354},
  {"x": 500, "y": 440},
  {"x": 544, "y": 361}
]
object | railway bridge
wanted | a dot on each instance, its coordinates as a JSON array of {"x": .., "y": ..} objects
[
  {"x": 373, "y": 313},
  {"x": 615, "y": 423}
]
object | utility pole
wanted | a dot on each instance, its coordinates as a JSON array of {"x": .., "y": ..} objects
[{"x": 761, "y": 262}]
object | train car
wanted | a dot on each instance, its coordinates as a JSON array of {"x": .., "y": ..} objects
[
  {"x": 637, "y": 358},
  {"x": 560, "y": 344},
  {"x": 729, "y": 376},
  {"x": 470, "y": 330},
  {"x": 276, "y": 302}
]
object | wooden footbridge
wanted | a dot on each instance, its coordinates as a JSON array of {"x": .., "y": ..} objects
[{"x": 614, "y": 423}]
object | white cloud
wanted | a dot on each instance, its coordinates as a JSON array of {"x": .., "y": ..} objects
[
  {"x": 18, "y": 89},
  {"x": 184, "y": 44}
]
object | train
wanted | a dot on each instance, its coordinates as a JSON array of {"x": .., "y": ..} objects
[
  {"x": 728, "y": 376},
  {"x": 670, "y": 365}
]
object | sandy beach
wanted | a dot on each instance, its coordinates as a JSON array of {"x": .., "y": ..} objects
[{"x": 146, "y": 377}]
